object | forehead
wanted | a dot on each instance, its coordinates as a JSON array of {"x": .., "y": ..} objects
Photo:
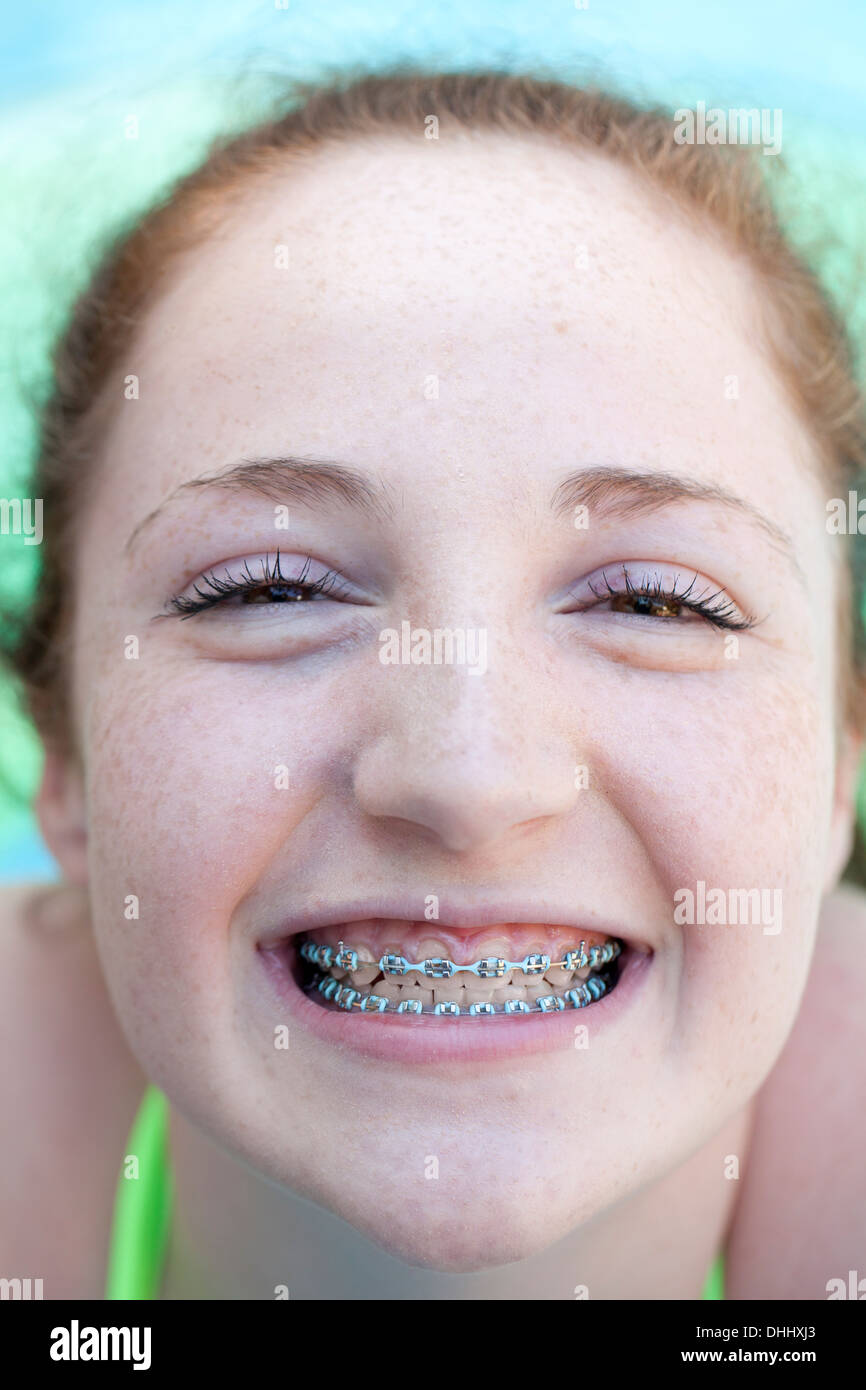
[{"x": 556, "y": 310}]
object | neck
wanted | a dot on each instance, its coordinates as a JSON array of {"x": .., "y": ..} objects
[{"x": 237, "y": 1235}]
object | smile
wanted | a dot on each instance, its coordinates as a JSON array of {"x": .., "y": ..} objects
[
  {"x": 368, "y": 977},
  {"x": 353, "y": 979}
]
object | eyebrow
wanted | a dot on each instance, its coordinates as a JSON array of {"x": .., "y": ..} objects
[
  {"x": 624, "y": 492},
  {"x": 307, "y": 480},
  {"x": 613, "y": 492}
]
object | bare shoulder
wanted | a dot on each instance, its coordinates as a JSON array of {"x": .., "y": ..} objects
[
  {"x": 801, "y": 1217},
  {"x": 68, "y": 1093}
]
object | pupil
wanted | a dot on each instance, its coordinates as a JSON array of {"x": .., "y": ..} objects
[{"x": 275, "y": 593}]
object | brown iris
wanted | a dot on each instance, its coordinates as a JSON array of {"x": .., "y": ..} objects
[
  {"x": 275, "y": 593},
  {"x": 644, "y": 604}
]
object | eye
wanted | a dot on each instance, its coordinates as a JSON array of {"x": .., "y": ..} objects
[
  {"x": 268, "y": 586},
  {"x": 661, "y": 597}
]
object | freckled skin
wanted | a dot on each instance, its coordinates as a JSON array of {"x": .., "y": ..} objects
[{"x": 408, "y": 259}]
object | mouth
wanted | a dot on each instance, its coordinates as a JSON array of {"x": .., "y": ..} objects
[
  {"x": 381, "y": 966},
  {"x": 402, "y": 991}
]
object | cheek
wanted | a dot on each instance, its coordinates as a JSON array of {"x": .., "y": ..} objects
[
  {"x": 740, "y": 781},
  {"x": 731, "y": 788},
  {"x": 196, "y": 783}
]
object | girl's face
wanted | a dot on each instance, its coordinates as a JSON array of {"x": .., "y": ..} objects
[{"x": 454, "y": 330}]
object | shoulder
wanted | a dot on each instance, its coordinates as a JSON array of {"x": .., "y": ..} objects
[
  {"x": 801, "y": 1217},
  {"x": 68, "y": 1093}
]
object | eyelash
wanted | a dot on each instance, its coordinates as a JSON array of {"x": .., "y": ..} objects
[
  {"x": 721, "y": 614},
  {"x": 220, "y": 590}
]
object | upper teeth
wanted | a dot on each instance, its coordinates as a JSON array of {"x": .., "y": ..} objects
[{"x": 440, "y": 968}]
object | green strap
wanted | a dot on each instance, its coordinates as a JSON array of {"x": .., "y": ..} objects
[
  {"x": 715, "y": 1285},
  {"x": 142, "y": 1212},
  {"x": 142, "y": 1206}
]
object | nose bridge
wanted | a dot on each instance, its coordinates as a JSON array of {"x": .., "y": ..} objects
[{"x": 465, "y": 756}]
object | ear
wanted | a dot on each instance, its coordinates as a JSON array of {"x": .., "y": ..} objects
[
  {"x": 60, "y": 810},
  {"x": 844, "y": 821}
]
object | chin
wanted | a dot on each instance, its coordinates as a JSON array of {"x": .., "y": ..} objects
[{"x": 460, "y": 1235}]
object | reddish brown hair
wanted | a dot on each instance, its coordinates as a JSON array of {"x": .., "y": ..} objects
[{"x": 724, "y": 186}]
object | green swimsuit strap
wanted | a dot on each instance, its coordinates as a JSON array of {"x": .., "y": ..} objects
[
  {"x": 714, "y": 1287},
  {"x": 142, "y": 1212},
  {"x": 142, "y": 1206}
]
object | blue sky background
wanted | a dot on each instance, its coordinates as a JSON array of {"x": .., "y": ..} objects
[{"x": 71, "y": 73}]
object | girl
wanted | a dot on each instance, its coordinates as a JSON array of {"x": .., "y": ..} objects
[{"x": 377, "y": 971}]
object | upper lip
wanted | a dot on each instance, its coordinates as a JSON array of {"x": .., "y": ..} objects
[{"x": 456, "y": 912}]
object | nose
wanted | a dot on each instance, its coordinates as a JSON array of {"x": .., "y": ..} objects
[{"x": 466, "y": 758}]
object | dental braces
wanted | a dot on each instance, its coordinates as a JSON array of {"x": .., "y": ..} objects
[
  {"x": 347, "y": 998},
  {"x": 438, "y": 968}
]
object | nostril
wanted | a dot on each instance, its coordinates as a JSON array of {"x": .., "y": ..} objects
[{"x": 463, "y": 792}]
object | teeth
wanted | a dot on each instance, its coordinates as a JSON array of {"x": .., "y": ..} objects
[
  {"x": 558, "y": 975},
  {"x": 393, "y": 998},
  {"x": 394, "y": 964},
  {"x": 355, "y": 979},
  {"x": 374, "y": 1003},
  {"x": 365, "y": 975},
  {"x": 412, "y": 991},
  {"x": 577, "y": 960},
  {"x": 493, "y": 951},
  {"x": 436, "y": 957},
  {"x": 360, "y": 959},
  {"x": 416, "y": 977},
  {"x": 501, "y": 996},
  {"x": 514, "y": 977},
  {"x": 476, "y": 992},
  {"x": 448, "y": 992},
  {"x": 390, "y": 989},
  {"x": 480, "y": 991}
]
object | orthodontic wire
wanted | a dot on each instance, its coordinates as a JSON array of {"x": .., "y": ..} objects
[{"x": 440, "y": 968}]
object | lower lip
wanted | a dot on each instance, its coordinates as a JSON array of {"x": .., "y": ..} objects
[{"x": 422, "y": 1038}]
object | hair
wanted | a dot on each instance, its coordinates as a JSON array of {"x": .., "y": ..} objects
[{"x": 724, "y": 187}]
